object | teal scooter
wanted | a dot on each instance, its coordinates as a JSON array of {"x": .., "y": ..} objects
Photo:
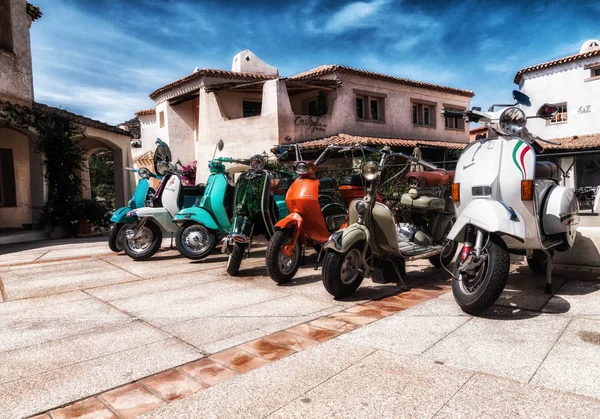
[
  {"x": 142, "y": 196},
  {"x": 203, "y": 225}
]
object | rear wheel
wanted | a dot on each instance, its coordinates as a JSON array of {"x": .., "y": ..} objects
[
  {"x": 194, "y": 241},
  {"x": 282, "y": 268},
  {"x": 341, "y": 271},
  {"x": 235, "y": 258},
  {"x": 568, "y": 240},
  {"x": 448, "y": 251},
  {"x": 145, "y": 241},
  {"x": 117, "y": 236},
  {"x": 477, "y": 289},
  {"x": 538, "y": 261}
]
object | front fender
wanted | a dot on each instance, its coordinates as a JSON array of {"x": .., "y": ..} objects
[
  {"x": 293, "y": 220},
  {"x": 489, "y": 215},
  {"x": 199, "y": 215},
  {"x": 120, "y": 216},
  {"x": 341, "y": 241}
]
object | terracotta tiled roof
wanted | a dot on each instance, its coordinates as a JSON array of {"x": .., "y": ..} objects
[
  {"x": 576, "y": 142},
  {"x": 553, "y": 63},
  {"x": 329, "y": 69},
  {"x": 208, "y": 72},
  {"x": 33, "y": 11},
  {"x": 143, "y": 112},
  {"x": 83, "y": 120},
  {"x": 348, "y": 140},
  {"x": 478, "y": 130}
]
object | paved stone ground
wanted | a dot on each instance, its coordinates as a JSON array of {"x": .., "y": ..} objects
[{"x": 77, "y": 321}]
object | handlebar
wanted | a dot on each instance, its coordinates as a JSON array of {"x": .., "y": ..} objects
[
  {"x": 232, "y": 160},
  {"x": 452, "y": 113}
]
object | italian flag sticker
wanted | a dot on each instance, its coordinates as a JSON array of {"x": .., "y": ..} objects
[{"x": 518, "y": 156}]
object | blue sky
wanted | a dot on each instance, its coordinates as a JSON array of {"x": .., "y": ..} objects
[{"x": 102, "y": 58}]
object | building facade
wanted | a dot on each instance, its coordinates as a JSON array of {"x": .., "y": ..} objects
[
  {"x": 252, "y": 109},
  {"x": 22, "y": 186}
]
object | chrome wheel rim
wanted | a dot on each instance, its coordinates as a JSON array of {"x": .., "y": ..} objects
[
  {"x": 470, "y": 284},
  {"x": 195, "y": 239},
  {"x": 350, "y": 266},
  {"x": 287, "y": 264},
  {"x": 143, "y": 240},
  {"x": 122, "y": 236}
]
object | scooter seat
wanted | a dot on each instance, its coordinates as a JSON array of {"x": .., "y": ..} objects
[
  {"x": 353, "y": 180},
  {"x": 197, "y": 190},
  {"x": 326, "y": 185},
  {"x": 546, "y": 170},
  {"x": 430, "y": 179},
  {"x": 423, "y": 202}
]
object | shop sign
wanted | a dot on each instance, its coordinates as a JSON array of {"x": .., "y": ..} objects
[{"x": 313, "y": 124}]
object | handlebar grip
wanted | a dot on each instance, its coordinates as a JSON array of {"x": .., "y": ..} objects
[{"x": 451, "y": 113}]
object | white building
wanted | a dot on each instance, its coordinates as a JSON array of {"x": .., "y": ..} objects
[
  {"x": 573, "y": 84},
  {"x": 251, "y": 108}
]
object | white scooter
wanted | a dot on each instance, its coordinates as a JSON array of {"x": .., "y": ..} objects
[
  {"x": 144, "y": 238},
  {"x": 506, "y": 202}
]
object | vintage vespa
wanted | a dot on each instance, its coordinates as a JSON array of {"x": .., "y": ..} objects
[
  {"x": 258, "y": 203},
  {"x": 375, "y": 244},
  {"x": 506, "y": 202}
]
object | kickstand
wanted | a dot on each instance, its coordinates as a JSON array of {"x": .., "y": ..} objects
[
  {"x": 319, "y": 258},
  {"x": 548, "y": 272},
  {"x": 401, "y": 285},
  {"x": 303, "y": 260},
  {"x": 171, "y": 247}
]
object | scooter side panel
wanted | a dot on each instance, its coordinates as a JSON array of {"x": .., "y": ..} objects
[
  {"x": 199, "y": 215},
  {"x": 160, "y": 215},
  {"x": 141, "y": 191},
  {"x": 489, "y": 215},
  {"x": 213, "y": 200},
  {"x": 561, "y": 212},
  {"x": 120, "y": 216}
]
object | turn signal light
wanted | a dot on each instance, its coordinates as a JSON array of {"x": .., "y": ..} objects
[
  {"x": 527, "y": 190},
  {"x": 456, "y": 192}
]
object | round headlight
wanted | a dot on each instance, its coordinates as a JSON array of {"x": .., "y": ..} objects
[
  {"x": 302, "y": 167},
  {"x": 512, "y": 121},
  {"x": 258, "y": 162},
  {"x": 414, "y": 194},
  {"x": 361, "y": 208},
  {"x": 370, "y": 170},
  {"x": 143, "y": 172}
]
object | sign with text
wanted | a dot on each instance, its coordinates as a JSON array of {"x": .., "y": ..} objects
[{"x": 312, "y": 123}]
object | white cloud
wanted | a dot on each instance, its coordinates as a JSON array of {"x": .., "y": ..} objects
[{"x": 354, "y": 15}]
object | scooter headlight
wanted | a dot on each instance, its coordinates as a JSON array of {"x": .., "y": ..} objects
[
  {"x": 258, "y": 162},
  {"x": 361, "y": 208},
  {"x": 302, "y": 167},
  {"x": 144, "y": 172},
  {"x": 512, "y": 121},
  {"x": 370, "y": 170}
]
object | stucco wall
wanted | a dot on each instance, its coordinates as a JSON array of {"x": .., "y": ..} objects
[
  {"x": 15, "y": 66},
  {"x": 148, "y": 134},
  {"x": 565, "y": 83},
  {"x": 21, "y": 214}
]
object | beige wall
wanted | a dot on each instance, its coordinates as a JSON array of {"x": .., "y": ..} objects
[
  {"x": 16, "y": 84},
  {"x": 21, "y": 214}
]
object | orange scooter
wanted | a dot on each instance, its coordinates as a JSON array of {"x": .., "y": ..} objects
[{"x": 313, "y": 216}]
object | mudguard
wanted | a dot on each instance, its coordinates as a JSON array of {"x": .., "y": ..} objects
[
  {"x": 160, "y": 215},
  {"x": 489, "y": 215},
  {"x": 341, "y": 241},
  {"x": 120, "y": 216},
  {"x": 199, "y": 215},
  {"x": 295, "y": 221}
]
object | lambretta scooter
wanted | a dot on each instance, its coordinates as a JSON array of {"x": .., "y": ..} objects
[
  {"x": 375, "y": 244},
  {"x": 313, "y": 216},
  {"x": 259, "y": 202},
  {"x": 142, "y": 196},
  {"x": 144, "y": 238},
  {"x": 506, "y": 202}
]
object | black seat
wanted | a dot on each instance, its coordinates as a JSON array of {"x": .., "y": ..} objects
[
  {"x": 326, "y": 185},
  {"x": 196, "y": 190},
  {"x": 352, "y": 180},
  {"x": 546, "y": 170}
]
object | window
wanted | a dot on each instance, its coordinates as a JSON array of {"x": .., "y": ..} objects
[
  {"x": 370, "y": 107},
  {"x": 312, "y": 108},
  {"x": 161, "y": 119},
  {"x": 6, "y": 36},
  {"x": 561, "y": 115},
  {"x": 423, "y": 114},
  {"x": 454, "y": 123},
  {"x": 8, "y": 196},
  {"x": 251, "y": 108},
  {"x": 595, "y": 72}
]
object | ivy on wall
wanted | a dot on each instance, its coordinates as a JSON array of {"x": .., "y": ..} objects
[{"x": 59, "y": 139}]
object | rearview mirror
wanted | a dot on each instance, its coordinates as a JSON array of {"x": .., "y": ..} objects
[
  {"x": 547, "y": 111},
  {"x": 220, "y": 145},
  {"x": 521, "y": 98}
]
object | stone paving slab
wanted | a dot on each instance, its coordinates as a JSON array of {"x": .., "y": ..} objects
[
  {"x": 380, "y": 385},
  {"x": 576, "y": 298},
  {"x": 573, "y": 364},
  {"x": 37, "y": 393},
  {"x": 485, "y": 396},
  {"x": 509, "y": 347},
  {"x": 267, "y": 388}
]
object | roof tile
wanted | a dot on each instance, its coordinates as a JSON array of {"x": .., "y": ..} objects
[
  {"x": 553, "y": 63},
  {"x": 348, "y": 140}
]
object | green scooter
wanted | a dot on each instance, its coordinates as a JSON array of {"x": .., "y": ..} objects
[{"x": 202, "y": 226}]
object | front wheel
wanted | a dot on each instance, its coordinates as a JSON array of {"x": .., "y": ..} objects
[
  {"x": 194, "y": 241},
  {"x": 143, "y": 242},
  {"x": 342, "y": 272},
  {"x": 235, "y": 258},
  {"x": 478, "y": 288},
  {"x": 117, "y": 236},
  {"x": 282, "y": 268}
]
